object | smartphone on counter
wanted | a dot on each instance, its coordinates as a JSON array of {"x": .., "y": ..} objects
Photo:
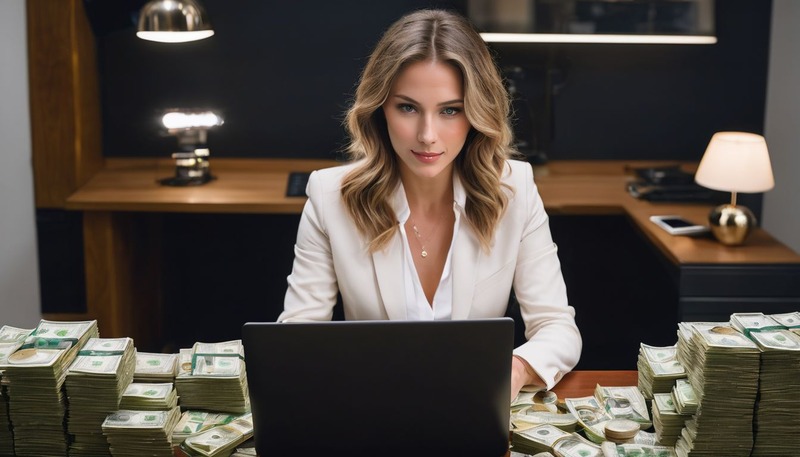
[{"x": 677, "y": 225}]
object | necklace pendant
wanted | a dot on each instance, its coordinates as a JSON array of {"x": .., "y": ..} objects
[{"x": 424, "y": 253}]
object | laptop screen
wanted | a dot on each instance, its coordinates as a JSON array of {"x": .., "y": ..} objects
[{"x": 380, "y": 387}]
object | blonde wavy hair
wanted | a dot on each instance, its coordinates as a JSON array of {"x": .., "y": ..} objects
[{"x": 446, "y": 37}]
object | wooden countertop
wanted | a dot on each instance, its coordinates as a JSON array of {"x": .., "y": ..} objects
[{"x": 566, "y": 187}]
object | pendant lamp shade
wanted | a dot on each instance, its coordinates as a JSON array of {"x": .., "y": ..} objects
[{"x": 173, "y": 21}]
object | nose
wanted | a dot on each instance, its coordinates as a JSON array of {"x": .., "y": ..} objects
[{"x": 427, "y": 130}]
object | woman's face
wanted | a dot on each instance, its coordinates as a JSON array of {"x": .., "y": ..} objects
[{"x": 425, "y": 118}]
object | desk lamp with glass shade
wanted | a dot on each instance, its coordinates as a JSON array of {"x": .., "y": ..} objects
[
  {"x": 173, "y": 21},
  {"x": 191, "y": 129},
  {"x": 734, "y": 162}
]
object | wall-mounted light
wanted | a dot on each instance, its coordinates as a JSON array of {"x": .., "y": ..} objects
[
  {"x": 596, "y": 38},
  {"x": 173, "y": 21},
  {"x": 595, "y": 21}
]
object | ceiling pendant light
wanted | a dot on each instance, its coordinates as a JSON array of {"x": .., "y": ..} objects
[{"x": 173, "y": 21}]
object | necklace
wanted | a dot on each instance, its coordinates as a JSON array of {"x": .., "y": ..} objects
[{"x": 423, "y": 241}]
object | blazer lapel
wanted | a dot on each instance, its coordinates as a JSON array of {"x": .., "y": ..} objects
[
  {"x": 389, "y": 271},
  {"x": 389, "y": 268},
  {"x": 466, "y": 255}
]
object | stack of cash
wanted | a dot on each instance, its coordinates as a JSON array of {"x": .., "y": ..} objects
[
  {"x": 217, "y": 380},
  {"x": 777, "y": 414},
  {"x": 194, "y": 422},
  {"x": 636, "y": 450},
  {"x": 575, "y": 445},
  {"x": 95, "y": 382},
  {"x": 540, "y": 438},
  {"x": 722, "y": 367},
  {"x": 789, "y": 321},
  {"x": 591, "y": 416},
  {"x": 149, "y": 396},
  {"x": 221, "y": 440},
  {"x": 155, "y": 367},
  {"x": 683, "y": 397},
  {"x": 624, "y": 402},
  {"x": 667, "y": 421},
  {"x": 35, "y": 376},
  {"x": 138, "y": 433},
  {"x": 11, "y": 338},
  {"x": 529, "y": 418},
  {"x": 658, "y": 369}
]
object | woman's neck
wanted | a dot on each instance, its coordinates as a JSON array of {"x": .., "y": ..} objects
[{"x": 427, "y": 196}]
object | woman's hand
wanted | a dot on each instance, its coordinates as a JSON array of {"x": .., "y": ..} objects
[{"x": 522, "y": 375}]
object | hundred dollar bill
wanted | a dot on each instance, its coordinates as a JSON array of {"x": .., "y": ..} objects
[
  {"x": 638, "y": 450},
  {"x": 126, "y": 419},
  {"x": 194, "y": 422},
  {"x": 101, "y": 356},
  {"x": 788, "y": 320},
  {"x": 748, "y": 323},
  {"x": 663, "y": 361},
  {"x": 149, "y": 396},
  {"x": 222, "y": 439},
  {"x": 528, "y": 418},
  {"x": 590, "y": 415},
  {"x": 217, "y": 359},
  {"x": 11, "y": 338},
  {"x": 155, "y": 365},
  {"x": 779, "y": 340},
  {"x": 540, "y": 437},
  {"x": 575, "y": 446},
  {"x": 624, "y": 402},
  {"x": 684, "y": 397}
]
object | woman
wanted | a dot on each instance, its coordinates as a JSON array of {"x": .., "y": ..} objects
[{"x": 432, "y": 219}]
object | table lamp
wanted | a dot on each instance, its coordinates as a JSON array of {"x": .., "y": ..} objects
[
  {"x": 191, "y": 128},
  {"x": 734, "y": 162}
]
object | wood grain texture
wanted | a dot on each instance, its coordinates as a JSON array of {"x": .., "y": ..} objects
[
  {"x": 567, "y": 187},
  {"x": 581, "y": 383},
  {"x": 64, "y": 99}
]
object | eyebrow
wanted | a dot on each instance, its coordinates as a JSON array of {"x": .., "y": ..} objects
[{"x": 449, "y": 102}]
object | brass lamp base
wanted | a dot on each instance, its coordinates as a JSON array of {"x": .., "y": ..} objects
[{"x": 731, "y": 224}]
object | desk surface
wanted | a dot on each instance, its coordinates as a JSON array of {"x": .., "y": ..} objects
[{"x": 566, "y": 187}]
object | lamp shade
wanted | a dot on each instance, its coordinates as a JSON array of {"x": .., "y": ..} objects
[
  {"x": 736, "y": 162},
  {"x": 173, "y": 21}
]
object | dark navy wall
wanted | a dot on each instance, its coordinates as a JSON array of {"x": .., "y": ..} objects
[{"x": 282, "y": 74}]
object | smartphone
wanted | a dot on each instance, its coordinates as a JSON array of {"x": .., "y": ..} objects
[{"x": 677, "y": 225}]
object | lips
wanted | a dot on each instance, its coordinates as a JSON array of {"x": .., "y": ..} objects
[{"x": 426, "y": 156}]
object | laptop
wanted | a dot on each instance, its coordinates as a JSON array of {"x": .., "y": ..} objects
[{"x": 380, "y": 388}]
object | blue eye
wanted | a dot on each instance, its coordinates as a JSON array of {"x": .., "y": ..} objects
[
  {"x": 406, "y": 108},
  {"x": 450, "y": 111}
]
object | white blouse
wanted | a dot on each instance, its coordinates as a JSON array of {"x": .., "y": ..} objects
[{"x": 417, "y": 306}]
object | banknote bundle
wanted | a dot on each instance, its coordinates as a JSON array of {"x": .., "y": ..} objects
[
  {"x": 658, "y": 368},
  {"x": 194, "y": 422},
  {"x": 777, "y": 411},
  {"x": 667, "y": 421},
  {"x": 155, "y": 367},
  {"x": 95, "y": 381},
  {"x": 575, "y": 445},
  {"x": 540, "y": 438},
  {"x": 624, "y": 402},
  {"x": 220, "y": 441},
  {"x": 149, "y": 396},
  {"x": 11, "y": 338},
  {"x": 636, "y": 450},
  {"x": 212, "y": 377},
  {"x": 139, "y": 433},
  {"x": 35, "y": 375},
  {"x": 683, "y": 397},
  {"x": 532, "y": 408},
  {"x": 722, "y": 367}
]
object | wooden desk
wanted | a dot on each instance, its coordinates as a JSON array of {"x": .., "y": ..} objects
[{"x": 119, "y": 234}]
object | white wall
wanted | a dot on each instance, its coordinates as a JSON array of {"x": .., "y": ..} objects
[
  {"x": 781, "y": 211},
  {"x": 19, "y": 276}
]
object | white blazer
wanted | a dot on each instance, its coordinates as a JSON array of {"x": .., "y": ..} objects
[{"x": 331, "y": 256}]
